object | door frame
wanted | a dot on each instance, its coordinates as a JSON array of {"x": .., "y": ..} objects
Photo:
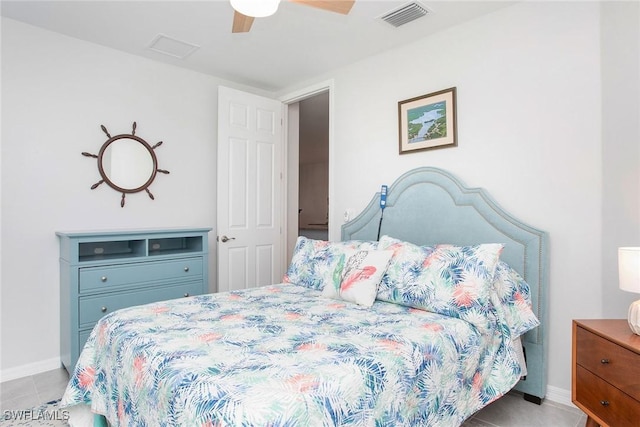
[{"x": 291, "y": 98}]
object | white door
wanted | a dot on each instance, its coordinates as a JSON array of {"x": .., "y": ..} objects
[{"x": 250, "y": 211}]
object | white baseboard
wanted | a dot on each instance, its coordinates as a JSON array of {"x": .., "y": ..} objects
[
  {"x": 30, "y": 369},
  {"x": 559, "y": 395}
]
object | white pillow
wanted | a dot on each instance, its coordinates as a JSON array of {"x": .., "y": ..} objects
[{"x": 361, "y": 273}]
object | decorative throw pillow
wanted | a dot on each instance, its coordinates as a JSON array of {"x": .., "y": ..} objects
[
  {"x": 513, "y": 297},
  {"x": 454, "y": 281},
  {"x": 360, "y": 275},
  {"x": 315, "y": 263}
]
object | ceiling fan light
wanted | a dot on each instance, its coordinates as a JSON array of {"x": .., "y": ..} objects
[{"x": 256, "y": 8}]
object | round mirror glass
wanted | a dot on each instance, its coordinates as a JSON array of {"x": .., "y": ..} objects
[{"x": 128, "y": 164}]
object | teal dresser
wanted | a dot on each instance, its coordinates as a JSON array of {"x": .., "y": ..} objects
[{"x": 108, "y": 270}]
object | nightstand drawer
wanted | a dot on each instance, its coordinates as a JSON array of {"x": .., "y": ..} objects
[
  {"x": 94, "y": 308},
  {"x": 606, "y": 360},
  {"x": 612, "y": 406},
  {"x": 106, "y": 278}
]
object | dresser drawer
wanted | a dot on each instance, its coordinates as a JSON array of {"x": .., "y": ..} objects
[
  {"x": 108, "y": 277},
  {"x": 612, "y": 406},
  {"x": 92, "y": 308},
  {"x": 83, "y": 336},
  {"x": 607, "y": 360}
]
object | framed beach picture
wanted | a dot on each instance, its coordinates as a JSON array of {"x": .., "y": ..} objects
[{"x": 428, "y": 121}]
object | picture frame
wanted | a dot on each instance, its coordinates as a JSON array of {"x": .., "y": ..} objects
[{"x": 428, "y": 122}]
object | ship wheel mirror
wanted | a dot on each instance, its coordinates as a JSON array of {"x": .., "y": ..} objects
[{"x": 127, "y": 163}]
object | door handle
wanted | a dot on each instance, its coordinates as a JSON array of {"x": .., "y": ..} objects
[{"x": 225, "y": 239}]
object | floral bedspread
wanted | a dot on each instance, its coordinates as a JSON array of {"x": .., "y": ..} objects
[{"x": 283, "y": 355}]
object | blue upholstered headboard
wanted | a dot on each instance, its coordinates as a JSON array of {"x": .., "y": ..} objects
[{"x": 429, "y": 206}]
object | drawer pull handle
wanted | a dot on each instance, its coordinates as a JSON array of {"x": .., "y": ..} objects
[
  {"x": 186, "y": 269},
  {"x": 103, "y": 309},
  {"x": 604, "y": 402},
  {"x": 186, "y": 294},
  {"x": 103, "y": 278},
  {"x": 604, "y": 361}
]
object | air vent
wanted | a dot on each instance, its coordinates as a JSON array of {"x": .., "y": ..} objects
[
  {"x": 405, "y": 14},
  {"x": 172, "y": 47}
]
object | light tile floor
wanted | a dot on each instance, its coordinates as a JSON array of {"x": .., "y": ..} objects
[
  {"x": 510, "y": 411},
  {"x": 513, "y": 411},
  {"x": 27, "y": 392}
]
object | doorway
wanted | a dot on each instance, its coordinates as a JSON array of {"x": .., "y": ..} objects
[
  {"x": 306, "y": 155},
  {"x": 313, "y": 171},
  {"x": 308, "y": 168}
]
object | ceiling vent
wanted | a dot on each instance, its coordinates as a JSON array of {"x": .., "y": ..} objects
[
  {"x": 405, "y": 14},
  {"x": 172, "y": 47}
]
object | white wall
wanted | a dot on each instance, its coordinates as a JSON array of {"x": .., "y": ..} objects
[
  {"x": 56, "y": 92},
  {"x": 621, "y": 145},
  {"x": 529, "y": 87}
]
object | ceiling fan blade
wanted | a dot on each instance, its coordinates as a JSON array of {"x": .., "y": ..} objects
[
  {"x": 338, "y": 6},
  {"x": 241, "y": 23}
]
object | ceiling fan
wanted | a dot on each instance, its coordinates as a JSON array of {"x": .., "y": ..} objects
[{"x": 245, "y": 11}]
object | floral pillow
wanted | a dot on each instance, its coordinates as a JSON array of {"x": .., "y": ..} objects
[
  {"x": 513, "y": 296},
  {"x": 454, "y": 281},
  {"x": 361, "y": 273},
  {"x": 315, "y": 263}
]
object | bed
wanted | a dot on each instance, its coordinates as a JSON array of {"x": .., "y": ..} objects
[
  {"x": 428, "y": 206},
  {"x": 351, "y": 337}
]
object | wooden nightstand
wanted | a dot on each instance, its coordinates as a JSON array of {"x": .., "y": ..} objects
[{"x": 605, "y": 368}]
